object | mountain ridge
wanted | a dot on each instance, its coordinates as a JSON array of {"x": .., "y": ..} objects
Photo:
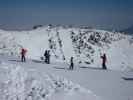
[
  {"x": 85, "y": 45},
  {"x": 128, "y": 30}
]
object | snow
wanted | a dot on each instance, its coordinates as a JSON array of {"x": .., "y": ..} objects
[
  {"x": 35, "y": 80},
  {"x": 28, "y": 84},
  {"x": 85, "y": 45},
  {"x": 61, "y": 83},
  {"x": 86, "y": 50}
]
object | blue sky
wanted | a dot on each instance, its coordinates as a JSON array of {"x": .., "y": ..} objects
[{"x": 107, "y": 14}]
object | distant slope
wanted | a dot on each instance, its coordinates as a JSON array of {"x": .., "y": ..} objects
[
  {"x": 128, "y": 30},
  {"x": 85, "y": 45}
]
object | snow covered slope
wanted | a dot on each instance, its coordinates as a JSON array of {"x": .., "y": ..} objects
[
  {"x": 86, "y": 45},
  {"x": 28, "y": 84},
  {"x": 40, "y": 81}
]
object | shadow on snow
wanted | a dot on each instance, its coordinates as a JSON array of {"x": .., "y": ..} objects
[
  {"x": 93, "y": 68},
  {"x": 15, "y": 60},
  {"x": 128, "y": 79}
]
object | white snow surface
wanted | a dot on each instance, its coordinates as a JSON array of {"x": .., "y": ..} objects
[
  {"x": 18, "y": 83},
  {"x": 35, "y": 80},
  {"x": 85, "y": 45}
]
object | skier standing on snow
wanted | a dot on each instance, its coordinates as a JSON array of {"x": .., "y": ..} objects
[
  {"x": 48, "y": 57},
  {"x": 23, "y": 54},
  {"x": 71, "y": 64},
  {"x": 45, "y": 54},
  {"x": 104, "y": 60}
]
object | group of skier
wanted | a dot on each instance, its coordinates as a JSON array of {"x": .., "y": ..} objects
[
  {"x": 71, "y": 66},
  {"x": 47, "y": 56}
]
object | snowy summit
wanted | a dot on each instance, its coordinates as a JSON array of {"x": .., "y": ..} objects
[{"x": 37, "y": 80}]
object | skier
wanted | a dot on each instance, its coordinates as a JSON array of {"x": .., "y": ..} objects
[
  {"x": 48, "y": 57},
  {"x": 23, "y": 53},
  {"x": 45, "y": 54},
  {"x": 104, "y": 59},
  {"x": 71, "y": 64}
]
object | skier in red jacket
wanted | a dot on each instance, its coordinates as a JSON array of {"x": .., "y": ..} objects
[
  {"x": 23, "y": 53},
  {"x": 104, "y": 60}
]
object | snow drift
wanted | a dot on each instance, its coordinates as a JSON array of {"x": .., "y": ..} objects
[{"x": 84, "y": 44}]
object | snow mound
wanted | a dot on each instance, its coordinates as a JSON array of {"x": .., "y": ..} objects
[{"x": 21, "y": 84}]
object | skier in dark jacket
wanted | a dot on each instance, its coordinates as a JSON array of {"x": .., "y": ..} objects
[
  {"x": 71, "y": 64},
  {"x": 104, "y": 60},
  {"x": 46, "y": 56},
  {"x": 23, "y": 54}
]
